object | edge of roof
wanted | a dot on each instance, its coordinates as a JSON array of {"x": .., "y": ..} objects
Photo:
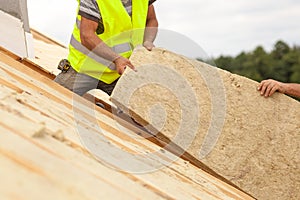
[{"x": 42, "y": 37}]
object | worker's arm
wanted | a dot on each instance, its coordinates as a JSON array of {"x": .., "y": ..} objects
[
  {"x": 91, "y": 41},
  {"x": 151, "y": 28},
  {"x": 269, "y": 87}
]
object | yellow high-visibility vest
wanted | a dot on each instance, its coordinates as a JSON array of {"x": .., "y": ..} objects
[{"x": 121, "y": 32}]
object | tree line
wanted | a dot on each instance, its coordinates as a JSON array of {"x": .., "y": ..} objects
[{"x": 282, "y": 63}]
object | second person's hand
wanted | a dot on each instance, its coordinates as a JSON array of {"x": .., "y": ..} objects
[{"x": 270, "y": 86}]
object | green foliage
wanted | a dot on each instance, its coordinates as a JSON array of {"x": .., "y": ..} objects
[{"x": 282, "y": 63}]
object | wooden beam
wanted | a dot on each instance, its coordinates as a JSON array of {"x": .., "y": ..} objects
[{"x": 162, "y": 142}]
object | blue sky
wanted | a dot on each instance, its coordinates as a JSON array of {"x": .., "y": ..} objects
[{"x": 217, "y": 26}]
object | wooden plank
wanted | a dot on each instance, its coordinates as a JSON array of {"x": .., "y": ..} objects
[
  {"x": 146, "y": 180},
  {"x": 3, "y": 82},
  {"x": 60, "y": 174},
  {"x": 49, "y": 93},
  {"x": 28, "y": 132},
  {"x": 42, "y": 37},
  {"x": 47, "y": 56},
  {"x": 32, "y": 80},
  {"x": 33, "y": 84},
  {"x": 175, "y": 187},
  {"x": 30, "y": 64},
  {"x": 21, "y": 182}
]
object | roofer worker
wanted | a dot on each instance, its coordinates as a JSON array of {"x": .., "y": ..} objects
[{"x": 104, "y": 36}]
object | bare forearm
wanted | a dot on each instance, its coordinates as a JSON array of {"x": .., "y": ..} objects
[
  {"x": 151, "y": 30},
  {"x": 292, "y": 89},
  {"x": 151, "y": 25},
  {"x": 97, "y": 46}
]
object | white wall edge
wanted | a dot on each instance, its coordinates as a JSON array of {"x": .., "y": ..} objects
[
  {"x": 12, "y": 34},
  {"x": 29, "y": 45}
]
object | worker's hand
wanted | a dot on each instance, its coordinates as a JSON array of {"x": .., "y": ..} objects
[
  {"x": 122, "y": 63},
  {"x": 269, "y": 87},
  {"x": 148, "y": 45}
]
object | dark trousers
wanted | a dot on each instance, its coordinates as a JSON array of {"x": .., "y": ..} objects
[{"x": 82, "y": 83}]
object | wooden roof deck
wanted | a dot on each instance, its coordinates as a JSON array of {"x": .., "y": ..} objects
[{"x": 42, "y": 156}]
